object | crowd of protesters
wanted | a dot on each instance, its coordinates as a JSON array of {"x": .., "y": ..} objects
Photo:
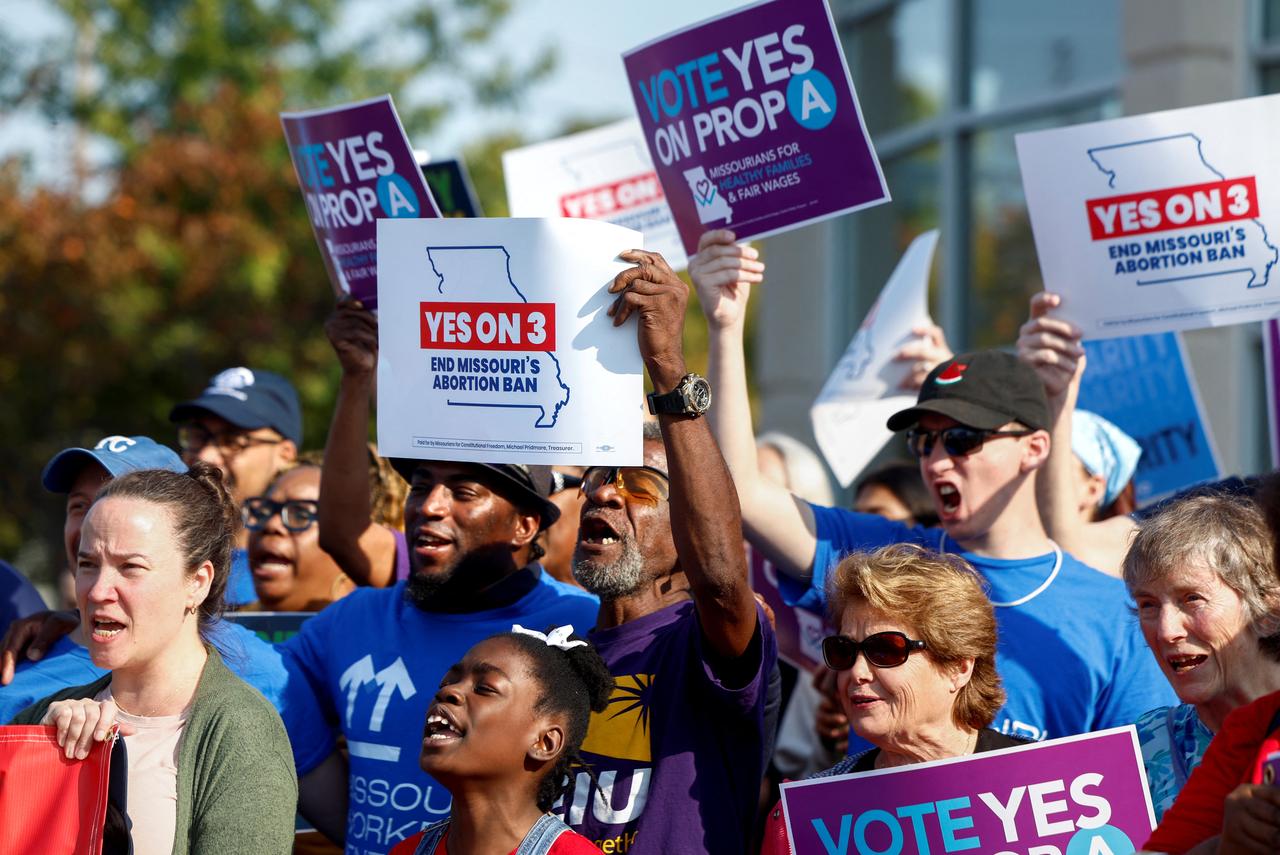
[{"x": 511, "y": 658}]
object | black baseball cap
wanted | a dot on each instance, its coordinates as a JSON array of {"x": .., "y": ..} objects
[
  {"x": 531, "y": 484},
  {"x": 248, "y": 398},
  {"x": 985, "y": 389}
]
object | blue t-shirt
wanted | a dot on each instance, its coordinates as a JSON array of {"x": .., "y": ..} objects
[
  {"x": 677, "y": 756},
  {"x": 368, "y": 667},
  {"x": 68, "y": 664},
  {"x": 1071, "y": 657},
  {"x": 18, "y": 597},
  {"x": 240, "y": 590}
]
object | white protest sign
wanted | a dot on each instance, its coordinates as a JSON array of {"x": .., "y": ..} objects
[
  {"x": 494, "y": 345},
  {"x": 1162, "y": 222},
  {"x": 601, "y": 174},
  {"x": 864, "y": 389}
]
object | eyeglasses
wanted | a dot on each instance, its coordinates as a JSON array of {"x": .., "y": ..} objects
[
  {"x": 883, "y": 650},
  {"x": 192, "y": 438},
  {"x": 644, "y": 484},
  {"x": 957, "y": 441},
  {"x": 296, "y": 514}
]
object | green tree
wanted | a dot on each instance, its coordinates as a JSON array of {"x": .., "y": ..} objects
[{"x": 198, "y": 254}]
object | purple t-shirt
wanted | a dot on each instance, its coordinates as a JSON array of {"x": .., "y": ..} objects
[
  {"x": 677, "y": 754},
  {"x": 402, "y": 556}
]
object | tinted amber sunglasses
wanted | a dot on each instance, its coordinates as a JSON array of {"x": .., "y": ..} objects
[{"x": 641, "y": 483}]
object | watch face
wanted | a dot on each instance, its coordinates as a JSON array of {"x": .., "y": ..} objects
[{"x": 699, "y": 394}]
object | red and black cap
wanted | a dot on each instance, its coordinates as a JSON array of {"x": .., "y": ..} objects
[{"x": 985, "y": 389}]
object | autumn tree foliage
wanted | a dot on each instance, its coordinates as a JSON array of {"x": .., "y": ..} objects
[{"x": 198, "y": 254}]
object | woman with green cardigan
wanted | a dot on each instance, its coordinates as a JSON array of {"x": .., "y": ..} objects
[{"x": 210, "y": 768}]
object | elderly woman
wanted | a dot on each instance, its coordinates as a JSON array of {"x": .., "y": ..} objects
[
  {"x": 915, "y": 657},
  {"x": 1202, "y": 577},
  {"x": 210, "y": 768}
]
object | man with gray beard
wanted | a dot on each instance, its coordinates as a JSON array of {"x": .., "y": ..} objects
[{"x": 677, "y": 755}]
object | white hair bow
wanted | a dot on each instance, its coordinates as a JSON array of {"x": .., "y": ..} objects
[{"x": 558, "y": 637}]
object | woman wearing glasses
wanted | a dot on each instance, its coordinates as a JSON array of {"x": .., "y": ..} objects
[
  {"x": 915, "y": 657},
  {"x": 291, "y": 573}
]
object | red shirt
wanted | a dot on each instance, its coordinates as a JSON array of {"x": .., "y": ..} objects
[
  {"x": 566, "y": 844},
  {"x": 1234, "y": 757}
]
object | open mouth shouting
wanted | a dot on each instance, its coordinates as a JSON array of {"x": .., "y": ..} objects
[
  {"x": 595, "y": 534},
  {"x": 268, "y": 562},
  {"x": 432, "y": 543},
  {"x": 1185, "y": 663},
  {"x": 440, "y": 729},
  {"x": 105, "y": 629},
  {"x": 948, "y": 498}
]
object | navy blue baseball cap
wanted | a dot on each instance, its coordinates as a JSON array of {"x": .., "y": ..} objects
[
  {"x": 117, "y": 454},
  {"x": 249, "y": 399}
]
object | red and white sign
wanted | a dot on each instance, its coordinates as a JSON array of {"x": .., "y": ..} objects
[
  {"x": 1158, "y": 223},
  {"x": 601, "y": 174},
  {"x": 488, "y": 326},
  {"x": 598, "y": 203},
  {"x": 1173, "y": 208}
]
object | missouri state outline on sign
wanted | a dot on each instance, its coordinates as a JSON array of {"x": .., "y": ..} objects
[{"x": 492, "y": 335}]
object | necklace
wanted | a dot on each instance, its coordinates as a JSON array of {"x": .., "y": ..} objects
[{"x": 1053, "y": 574}]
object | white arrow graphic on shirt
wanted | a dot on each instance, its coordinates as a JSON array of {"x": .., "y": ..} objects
[
  {"x": 391, "y": 678},
  {"x": 360, "y": 672}
]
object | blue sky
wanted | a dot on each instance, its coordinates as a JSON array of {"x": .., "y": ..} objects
[{"x": 589, "y": 35}]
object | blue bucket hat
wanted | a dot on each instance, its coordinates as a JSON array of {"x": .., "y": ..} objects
[
  {"x": 1104, "y": 450},
  {"x": 249, "y": 399},
  {"x": 116, "y": 454}
]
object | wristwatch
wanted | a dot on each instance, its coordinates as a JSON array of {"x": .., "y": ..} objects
[{"x": 690, "y": 397}]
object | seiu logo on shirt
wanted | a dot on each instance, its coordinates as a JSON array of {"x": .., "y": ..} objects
[{"x": 620, "y": 754}]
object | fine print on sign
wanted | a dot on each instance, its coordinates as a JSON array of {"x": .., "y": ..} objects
[
  {"x": 1160, "y": 222},
  {"x": 601, "y": 174},
  {"x": 753, "y": 122},
  {"x": 355, "y": 166},
  {"x": 1082, "y": 795},
  {"x": 494, "y": 345}
]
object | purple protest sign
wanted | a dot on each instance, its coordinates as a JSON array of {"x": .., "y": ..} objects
[
  {"x": 799, "y": 632},
  {"x": 1082, "y": 795},
  {"x": 753, "y": 123},
  {"x": 355, "y": 166},
  {"x": 1271, "y": 351}
]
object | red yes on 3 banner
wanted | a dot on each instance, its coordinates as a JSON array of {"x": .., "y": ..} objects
[
  {"x": 1172, "y": 208},
  {"x": 488, "y": 326}
]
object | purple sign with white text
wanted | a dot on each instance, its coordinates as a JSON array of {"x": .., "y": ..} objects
[
  {"x": 1082, "y": 795},
  {"x": 753, "y": 122},
  {"x": 355, "y": 166}
]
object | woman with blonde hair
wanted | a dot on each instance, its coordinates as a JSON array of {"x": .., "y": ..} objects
[{"x": 915, "y": 657}]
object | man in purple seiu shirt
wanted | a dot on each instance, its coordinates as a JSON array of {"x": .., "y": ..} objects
[{"x": 679, "y": 753}]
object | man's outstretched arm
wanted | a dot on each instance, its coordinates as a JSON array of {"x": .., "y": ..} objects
[{"x": 776, "y": 522}]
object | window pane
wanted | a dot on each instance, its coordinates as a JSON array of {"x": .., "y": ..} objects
[
  {"x": 1027, "y": 50},
  {"x": 881, "y": 234},
  {"x": 1005, "y": 270},
  {"x": 1270, "y": 79},
  {"x": 905, "y": 41},
  {"x": 1271, "y": 19}
]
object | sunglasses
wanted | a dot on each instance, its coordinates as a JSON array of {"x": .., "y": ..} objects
[
  {"x": 296, "y": 514},
  {"x": 957, "y": 441},
  {"x": 883, "y": 650},
  {"x": 644, "y": 484}
]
